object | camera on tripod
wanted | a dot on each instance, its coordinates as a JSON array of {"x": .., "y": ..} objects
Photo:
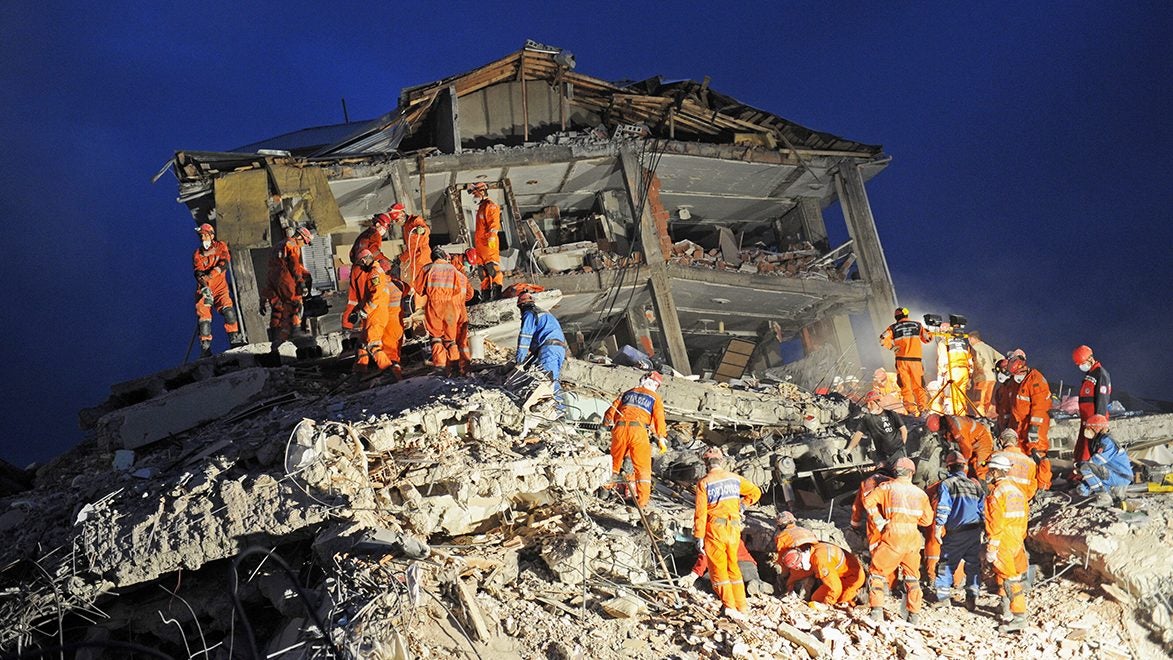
[{"x": 956, "y": 323}]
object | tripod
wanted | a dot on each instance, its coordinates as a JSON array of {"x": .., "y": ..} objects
[{"x": 953, "y": 388}]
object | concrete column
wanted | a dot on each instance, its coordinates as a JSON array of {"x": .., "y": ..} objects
[
  {"x": 658, "y": 281},
  {"x": 840, "y": 330},
  {"x": 861, "y": 225}
]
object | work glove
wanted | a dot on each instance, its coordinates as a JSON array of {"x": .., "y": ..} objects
[
  {"x": 991, "y": 555},
  {"x": 939, "y": 533},
  {"x": 663, "y": 445},
  {"x": 264, "y": 309},
  {"x": 353, "y": 318},
  {"x": 700, "y": 545},
  {"x": 1083, "y": 489},
  {"x": 1032, "y": 435},
  {"x": 1036, "y": 456},
  {"x": 687, "y": 581}
]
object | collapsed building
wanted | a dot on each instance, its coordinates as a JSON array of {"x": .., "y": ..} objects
[{"x": 672, "y": 217}]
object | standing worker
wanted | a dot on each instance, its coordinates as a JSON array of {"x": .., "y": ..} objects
[
  {"x": 371, "y": 238},
  {"x": 985, "y": 357},
  {"x": 441, "y": 285},
  {"x": 210, "y": 264},
  {"x": 897, "y": 508},
  {"x": 971, "y": 437},
  {"x": 954, "y": 364},
  {"x": 886, "y": 434},
  {"x": 462, "y": 319},
  {"x": 1095, "y": 392},
  {"x": 1004, "y": 392},
  {"x": 720, "y": 497},
  {"x": 372, "y": 290},
  {"x": 1032, "y": 416},
  {"x": 1108, "y": 466},
  {"x": 636, "y": 415},
  {"x": 541, "y": 335},
  {"x": 960, "y": 506},
  {"x": 1022, "y": 468},
  {"x": 488, "y": 224},
  {"x": 286, "y": 284},
  {"x": 907, "y": 338},
  {"x": 860, "y": 522},
  {"x": 1006, "y": 514},
  {"x": 417, "y": 250}
]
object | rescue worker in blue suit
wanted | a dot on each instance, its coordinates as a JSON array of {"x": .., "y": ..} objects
[
  {"x": 541, "y": 335},
  {"x": 1109, "y": 465},
  {"x": 960, "y": 506}
]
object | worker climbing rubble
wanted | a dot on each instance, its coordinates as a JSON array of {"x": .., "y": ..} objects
[
  {"x": 286, "y": 285},
  {"x": 445, "y": 300},
  {"x": 720, "y": 497},
  {"x": 1109, "y": 466},
  {"x": 542, "y": 341},
  {"x": 838, "y": 572},
  {"x": 376, "y": 310},
  {"x": 210, "y": 264},
  {"x": 1032, "y": 416},
  {"x": 887, "y": 436},
  {"x": 634, "y": 418},
  {"x": 488, "y": 225},
  {"x": 1022, "y": 468},
  {"x": 897, "y": 508},
  {"x": 959, "y": 504},
  {"x": 1006, "y": 515},
  {"x": 969, "y": 436},
  {"x": 1095, "y": 393},
  {"x": 907, "y": 338}
]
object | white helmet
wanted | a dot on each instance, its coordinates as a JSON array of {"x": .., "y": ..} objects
[{"x": 998, "y": 462}]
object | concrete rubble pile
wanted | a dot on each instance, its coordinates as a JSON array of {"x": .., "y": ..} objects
[
  {"x": 800, "y": 260},
  {"x": 455, "y": 517}
]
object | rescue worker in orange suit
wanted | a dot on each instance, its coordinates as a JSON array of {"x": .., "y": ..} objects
[
  {"x": 839, "y": 573},
  {"x": 932, "y": 551},
  {"x": 907, "y": 338},
  {"x": 287, "y": 283},
  {"x": 1032, "y": 418},
  {"x": 377, "y": 309},
  {"x": 984, "y": 359},
  {"x": 745, "y": 562},
  {"x": 954, "y": 365},
  {"x": 462, "y": 321},
  {"x": 1006, "y": 515},
  {"x": 898, "y": 508},
  {"x": 1004, "y": 391},
  {"x": 860, "y": 522},
  {"x": 720, "y": 497},
  {"x": 1022, "y": 467},
  {"x": 445, "y": 299},
  {"x": 210, "y": 266},
  {"x": 417, "y": 251},
  {"x": 475, "y": 272},
  {"x": 488, "y": 225},
  {"x": 971, "y": 437},
  {"x": 1095, "y": 392},
  {"x": 634, "y": 417},
  {"x": 788, "y": 536},
  {"x": 371, "y": 238},
  {"x": 957, "y": 530}
]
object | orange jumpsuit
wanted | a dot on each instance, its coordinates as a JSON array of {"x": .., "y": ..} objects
[
  {"x": 932, "y": 545},
  {"x": 897, "y": 508},
  {"x": 371, "y": 287},
  {"x": 1022, "y": 471},
  {"x": 720, "y": 494},
  {"x": 840, "y": 572},
  {"x": 462, "y": 322},
  {"x": 1032, "y": 405},
  {"x": 907, "y": 338},
  {"x": 955, "y": 363},
  {"x": 369, "y": 239},
  {"x": 442, "y": 311},
  {"x": 858, "y": 518},
  {"x": 211, "y": 266},
  {"x": 629, "y": 418},
  {"x": 283, "y": 289},
  {"x": 974, "y": 442},
  {"x": 1006, "y": 520},
  {"x": 417, "y": 253},
  {"x": 485, "y": 241},
  {"x": 785, "y": 540}
]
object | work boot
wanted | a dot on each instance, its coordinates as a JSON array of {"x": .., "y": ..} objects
[
  {"x": 912, "y": 618},
  {"x": 1017, "y": 624},
  {"x": 496, "y": 292},
  {"x": 205, "y": 348},
  {"x": 735, "y": 614},
  {"x": 971, "y": 602},
  {"x": 396, "y": 372},
  {"x": 1005, "y": 608},
  {"x": 876, "y": 614},
  {"x": 236, "y": 339}
]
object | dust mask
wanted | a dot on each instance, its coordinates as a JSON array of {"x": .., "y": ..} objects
[
  {"x": 1085, "y": 367},
  {"x": 1018, "y": 378},
  {"x": 649, "y": 384},
  {"x": 805, "y": 557},
  {"x": 1002, "y": 378},
  {"x": 1089, "y": 434},
  {"x": 206, "y": 243}
]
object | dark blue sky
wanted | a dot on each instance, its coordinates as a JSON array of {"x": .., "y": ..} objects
[{"x": 1029, "y": 187}]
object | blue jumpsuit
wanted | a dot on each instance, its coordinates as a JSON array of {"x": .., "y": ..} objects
[
  {"x": 1109, "y": 467},
  {"x": 961, "y": 503},
  {"x": 542, "y": 334}
]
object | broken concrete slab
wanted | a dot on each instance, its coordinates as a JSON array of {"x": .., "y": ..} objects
[
  {"x": 1125, "y": 430},
  {"x": 180, "y": 410}
]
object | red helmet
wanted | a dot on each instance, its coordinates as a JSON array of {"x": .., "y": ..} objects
[
  {"x": 525, "y": 298},
  {"x": 901, "y": 313},
  {"x": 712, "y": 452},
  {"x": 206, "y": 229},
  {"x": 656, "y": 376},
  {"x": 955, "y": 458},
  {"x": 792, "y": 559},
  {"x": 1097, "y": 423},
  {"x": 305, "y": 235},
  {"x": 471, "y": 256},
  {"x": 382, "y": 220},
  {"x": 397, "y": 211},
  {"x": 363, "y": 255},
  {"x": 1016, "y": 365},
  {"x": 905, "y": 463},
  {"x": 933, "y": 423},
  {"x": 1081, "y": 354},
  {"x": 871, "y": 396}
]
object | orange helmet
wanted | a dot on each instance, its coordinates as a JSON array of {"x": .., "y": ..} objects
[
  {"x": 206, "y": 229},
  {"x": 382, "y": 220},
  {"x": 656, "y": 376},
  {"x": 1097, "y": 423},
  {"x": 364, "y": 254},
  {"x": 713, "y": 452},
  {"x": 479, "y": 186},
  {"x": 802, "y": 536},
  {"x": 785, "y": 518},
  {"x": 471, "y": 256},
  {"x": 1081, "y": 354},
  {"x": 871, "y": 396},
  {"x": 955, "y": 458}
]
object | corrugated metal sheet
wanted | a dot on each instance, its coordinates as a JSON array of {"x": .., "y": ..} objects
[{"x": 318, "y": 258}]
